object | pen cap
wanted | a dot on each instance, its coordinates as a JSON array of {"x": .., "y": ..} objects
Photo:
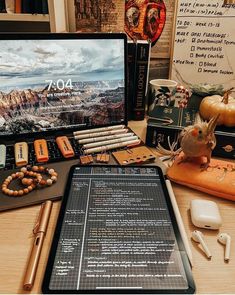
[{"x": 43, "y": 217}]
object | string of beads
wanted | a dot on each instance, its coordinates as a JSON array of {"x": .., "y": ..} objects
[{"x": 31, "y": 177}]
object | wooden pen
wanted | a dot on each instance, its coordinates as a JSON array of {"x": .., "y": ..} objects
[{"x": 39, "y": 232}]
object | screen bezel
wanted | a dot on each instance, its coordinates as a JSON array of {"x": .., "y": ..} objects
[
  {"x": 56, "y": 238},
  {"x": 68, "y": 36}
]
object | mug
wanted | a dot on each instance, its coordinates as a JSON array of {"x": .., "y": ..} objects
[{"x": 164, "y": 92}]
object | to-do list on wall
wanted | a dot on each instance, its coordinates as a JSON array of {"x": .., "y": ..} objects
[{"x": 204, "y": 43}]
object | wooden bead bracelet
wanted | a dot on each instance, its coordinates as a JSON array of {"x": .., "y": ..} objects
[{"x": 31, "y": 177}]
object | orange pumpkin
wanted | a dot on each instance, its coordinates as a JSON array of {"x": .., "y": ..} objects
[{"x": 216, "y": 104}]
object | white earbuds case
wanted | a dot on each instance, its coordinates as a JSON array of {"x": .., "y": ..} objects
[{"x": 205, "y": 214}]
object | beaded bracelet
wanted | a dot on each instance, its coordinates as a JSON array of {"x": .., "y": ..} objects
[
  {"x": 30, "y": 177},
  {"x": 43, "y": 170}
]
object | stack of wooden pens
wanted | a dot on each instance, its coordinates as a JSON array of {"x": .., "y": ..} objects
[{"x": 105, "y": 139}]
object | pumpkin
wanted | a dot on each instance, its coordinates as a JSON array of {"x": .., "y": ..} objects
[{"x": 217, "y": 104}]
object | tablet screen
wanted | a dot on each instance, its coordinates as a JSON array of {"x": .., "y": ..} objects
[
  {"x": 117, "y": 231},
  {"x": 51, "y": 82}
]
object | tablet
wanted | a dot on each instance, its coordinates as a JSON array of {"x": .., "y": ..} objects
[
  {"x": 61, "y": 82},
  {"x": 117, "y": 233}
]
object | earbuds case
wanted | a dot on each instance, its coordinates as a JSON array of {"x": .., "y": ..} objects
[{"x": 205, "y": 214}]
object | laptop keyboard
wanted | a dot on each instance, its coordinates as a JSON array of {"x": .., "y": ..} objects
[{"x": 54, "y": 153}]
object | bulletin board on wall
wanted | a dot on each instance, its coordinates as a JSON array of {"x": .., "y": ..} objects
[{"x": 203, "y": 43}]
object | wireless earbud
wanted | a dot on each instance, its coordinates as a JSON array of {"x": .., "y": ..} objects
[
  {"x": 225, "y": 239},
  {"x": 197, "y": 236}
]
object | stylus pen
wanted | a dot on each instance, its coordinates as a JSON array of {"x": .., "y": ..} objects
[
  {"x": 39, "y": 232},
  {"x": 179, "y": 221}
]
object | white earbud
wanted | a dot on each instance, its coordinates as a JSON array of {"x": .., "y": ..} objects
[
  {"x": 197, "y": 236},
  {"x": 225, "y": 239}
]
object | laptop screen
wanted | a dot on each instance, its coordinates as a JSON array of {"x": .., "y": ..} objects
[{"x": 50, "y": 82}]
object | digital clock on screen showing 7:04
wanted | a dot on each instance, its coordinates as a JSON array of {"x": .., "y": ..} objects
[{"x": 59, "y": 84}]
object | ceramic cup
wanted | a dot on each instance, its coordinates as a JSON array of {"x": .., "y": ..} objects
[{"x": 164, "y": 92}]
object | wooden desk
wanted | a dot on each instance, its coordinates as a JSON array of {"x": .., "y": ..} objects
[{"x": 16, "y": 226}]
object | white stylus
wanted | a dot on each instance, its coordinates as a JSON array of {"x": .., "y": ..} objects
[{"x": 179, "y": 221}]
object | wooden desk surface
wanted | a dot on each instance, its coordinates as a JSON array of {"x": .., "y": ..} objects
[{"x": 16, "y": 238}]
